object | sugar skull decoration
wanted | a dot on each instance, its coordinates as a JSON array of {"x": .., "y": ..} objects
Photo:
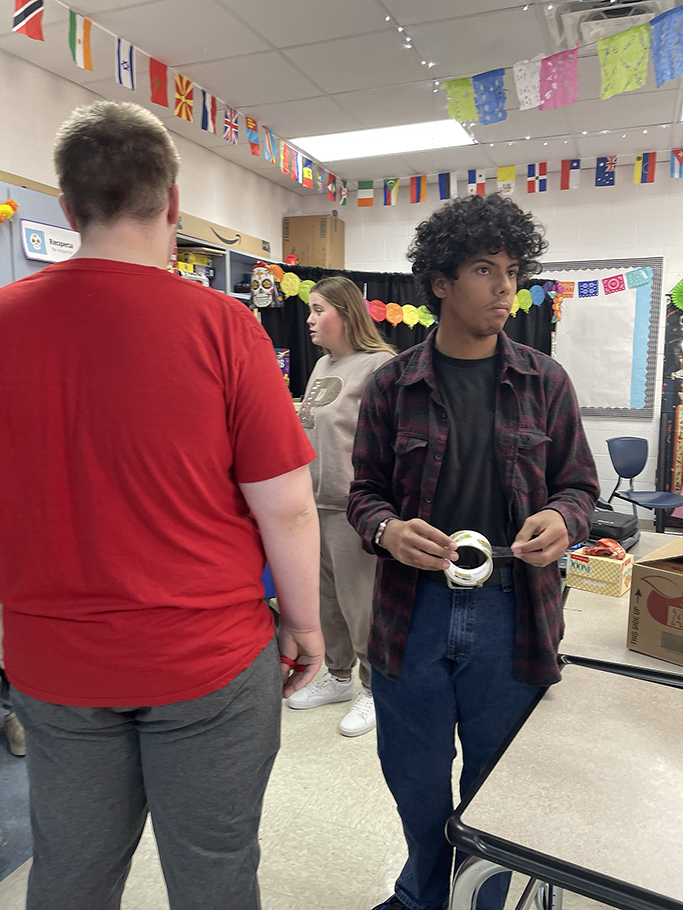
[{"x": 265, "y": 290}]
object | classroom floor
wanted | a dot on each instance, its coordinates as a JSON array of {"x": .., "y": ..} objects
[{"x": 330, "y": 835}]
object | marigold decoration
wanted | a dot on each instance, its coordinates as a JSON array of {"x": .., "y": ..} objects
[
  {"x": 677, "y": 295},
  {"x": 557, "y": 308},
  {"x": 305, "y": 290},
  {"x": 290, "y": 284},
  {"x": 394, "y": 313},
  {"x": 7, "y": 209},
  {"x": 424, "y": 316},
  {"x": 277, "y": 271},
  {"x": 377, "y": 310},
  {"x": 410, "y": 315}
]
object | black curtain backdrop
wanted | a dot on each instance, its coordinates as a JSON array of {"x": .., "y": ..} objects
[{"x": 286, "y": 325}]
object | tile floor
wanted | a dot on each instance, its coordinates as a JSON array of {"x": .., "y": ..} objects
[{"x": 330, "y": 835}]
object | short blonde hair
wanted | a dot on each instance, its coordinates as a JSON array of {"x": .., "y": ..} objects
[
  {"x": 346, "y": 298},
  {"x": 113, "y": 160}
]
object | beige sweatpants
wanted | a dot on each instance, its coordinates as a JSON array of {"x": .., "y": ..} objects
[{"x": 347, "y": 577}]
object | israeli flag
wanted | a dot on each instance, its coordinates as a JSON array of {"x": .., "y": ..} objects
[{"x": 125, "y": 64}]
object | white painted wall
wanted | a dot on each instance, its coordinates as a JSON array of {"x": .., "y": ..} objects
[
  {"x": 589, "y": 223},
  {"x": 34, "y": 103}
]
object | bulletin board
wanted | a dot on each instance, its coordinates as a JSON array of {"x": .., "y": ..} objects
[{"x": 607, "y": 337}]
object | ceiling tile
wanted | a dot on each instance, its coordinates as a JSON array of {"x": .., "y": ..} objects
[
  {"x": 366, "y": 61},
  {"x": 477, "y": 44},
  {"x": 622, "y": 111},
  {"x": 390, "y": 106},
  {"x": 255, "y": 79},
  {"x": 407, "y": 11},
  {"x": 520, "y": 124},
  {"x": 169, "y": 31},
  {"x": 297, "y": 118},
  {"x": 302, "y": 22}
]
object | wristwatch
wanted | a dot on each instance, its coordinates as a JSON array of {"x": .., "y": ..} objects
[{"x": 380, "y": 530}]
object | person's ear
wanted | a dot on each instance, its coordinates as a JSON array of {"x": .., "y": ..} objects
[
  {"x": 173, "y": 204},
  {"x": 67, "y": 212},
  {"x": 440, "y": 285}
]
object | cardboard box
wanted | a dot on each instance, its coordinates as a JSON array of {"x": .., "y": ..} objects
[
  {"x": 655, "y": 619},
  {"x": 317, "y": 240},
  {"x": 599, "y": 573}
]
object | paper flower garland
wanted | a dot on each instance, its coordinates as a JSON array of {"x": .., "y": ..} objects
[
  {"x": 425, "y": 317},
  {"x": 410, "y": 315},
  {"x": 290, "y": 284},
  {"x": 677, "y": 295},
  {"x": 305, "y": 290},
  {"x": 377, "y": 310},
  {"x": 394, "y": 313}
]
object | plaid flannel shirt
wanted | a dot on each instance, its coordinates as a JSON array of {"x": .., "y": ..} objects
[{"x": 543, "y": 462}]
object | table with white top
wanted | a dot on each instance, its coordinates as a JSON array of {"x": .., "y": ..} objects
[{"x": 586, "y": 795}]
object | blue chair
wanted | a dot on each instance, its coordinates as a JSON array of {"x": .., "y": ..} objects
[
  {"x": 268, "y": 583},
  {"x": 629, "y": 455}
]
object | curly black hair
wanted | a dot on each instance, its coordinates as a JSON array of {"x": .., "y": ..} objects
[{"x": 469, "y": 225}]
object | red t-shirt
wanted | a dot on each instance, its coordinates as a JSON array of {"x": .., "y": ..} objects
[{"x": 132, "y": 404}]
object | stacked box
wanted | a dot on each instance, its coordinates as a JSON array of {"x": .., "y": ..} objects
[
  {"x": 599, "y": 574},
  {"x": 655, "y": 621}
]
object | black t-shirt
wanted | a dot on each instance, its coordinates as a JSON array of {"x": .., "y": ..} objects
[{"x": 468, "y": 494}]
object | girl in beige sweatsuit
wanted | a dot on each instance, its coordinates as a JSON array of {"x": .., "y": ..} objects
[{"x": 354, "y": 349}]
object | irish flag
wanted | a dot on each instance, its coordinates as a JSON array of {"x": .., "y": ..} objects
[
  {"x": 366, "y": 193},
  {"x": 79, "y": 40}
]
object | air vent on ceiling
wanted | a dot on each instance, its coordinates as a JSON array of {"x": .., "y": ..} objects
[{"x": 584, "y": 21}]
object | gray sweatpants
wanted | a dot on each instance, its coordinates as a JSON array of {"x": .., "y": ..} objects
[
  {"x": 347, "y": 578},
  {"x": 200, "y": 768}
]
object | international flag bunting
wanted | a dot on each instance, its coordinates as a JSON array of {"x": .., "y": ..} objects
[
  {"x": 28, "y": 18},
  {"x": 677, "y": 162},
  {"x": 366, "y": 193},
  {"x": 158, "y": 82},
  {"x": 284, "y": 158},
  {"x": 570, "y": 174},
  {"x": 418, "y": 188},
  {"x": 79, "y": 40},
  {"x": 644, "y": 170},
  {"x": 231, "y": 125},
  {"x": 448, "y": 185},
  {"x": 252, "y": 136},
  {"x": 476, "y": 183},
  {"x": 391, "y": 190},
  {"x": 344, "y": 192},
  {"x": 308, "y": 173},
  {"x": 208, "y": 112},
  {"x": 125, "y": 64},
  {"x": 506, "y": 179},
  {"x": 296, "y": 169},
  {"x": 331, "y": 187},
  {"x": 320, "y": 177},
  {"x": 537, "y": 177},
  {"x": 605, "y": 170},
  {"x": 269, "y": 145},
  {"x": 184, "y": 98}
]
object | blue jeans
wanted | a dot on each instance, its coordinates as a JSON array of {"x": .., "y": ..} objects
[{"x": 457, "y": 669}]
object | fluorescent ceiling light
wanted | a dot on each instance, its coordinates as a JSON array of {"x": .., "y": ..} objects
[{"x": 387, "y": 140}]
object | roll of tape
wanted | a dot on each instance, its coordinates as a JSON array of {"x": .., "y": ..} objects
[{"x": 459, "y": 577}]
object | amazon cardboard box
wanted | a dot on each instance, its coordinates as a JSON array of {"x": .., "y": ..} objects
[
  {"x": 655, "y": 620},
  {"x": 317, "y": 240},
  {"x": 599, "y": 573}
]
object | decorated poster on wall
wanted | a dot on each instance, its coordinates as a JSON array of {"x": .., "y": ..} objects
[{"x": 607, "y": 338}]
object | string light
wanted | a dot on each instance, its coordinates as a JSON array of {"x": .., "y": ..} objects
[
  {"x": 424, "y": 63},
  {"x": 645, "y": 131},
  {"x": 400, "y": 28},
  {"x": 431, "y": 64},
  {"x": 527, "y": 137},
  {"x": 387, "y": 18}
]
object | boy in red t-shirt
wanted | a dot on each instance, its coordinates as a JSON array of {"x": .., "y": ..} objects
[{"x": 152, "y": 460}]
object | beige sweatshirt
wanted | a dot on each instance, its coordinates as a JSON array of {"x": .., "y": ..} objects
[{"x": 329, "y": 414}]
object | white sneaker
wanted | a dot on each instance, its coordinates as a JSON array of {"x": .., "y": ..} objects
[
  {"x": 361, "y": 717},
  {"x": 324, "y": 691}
]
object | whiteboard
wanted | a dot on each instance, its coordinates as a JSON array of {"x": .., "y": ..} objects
[{"x": 608, "y": 343}]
